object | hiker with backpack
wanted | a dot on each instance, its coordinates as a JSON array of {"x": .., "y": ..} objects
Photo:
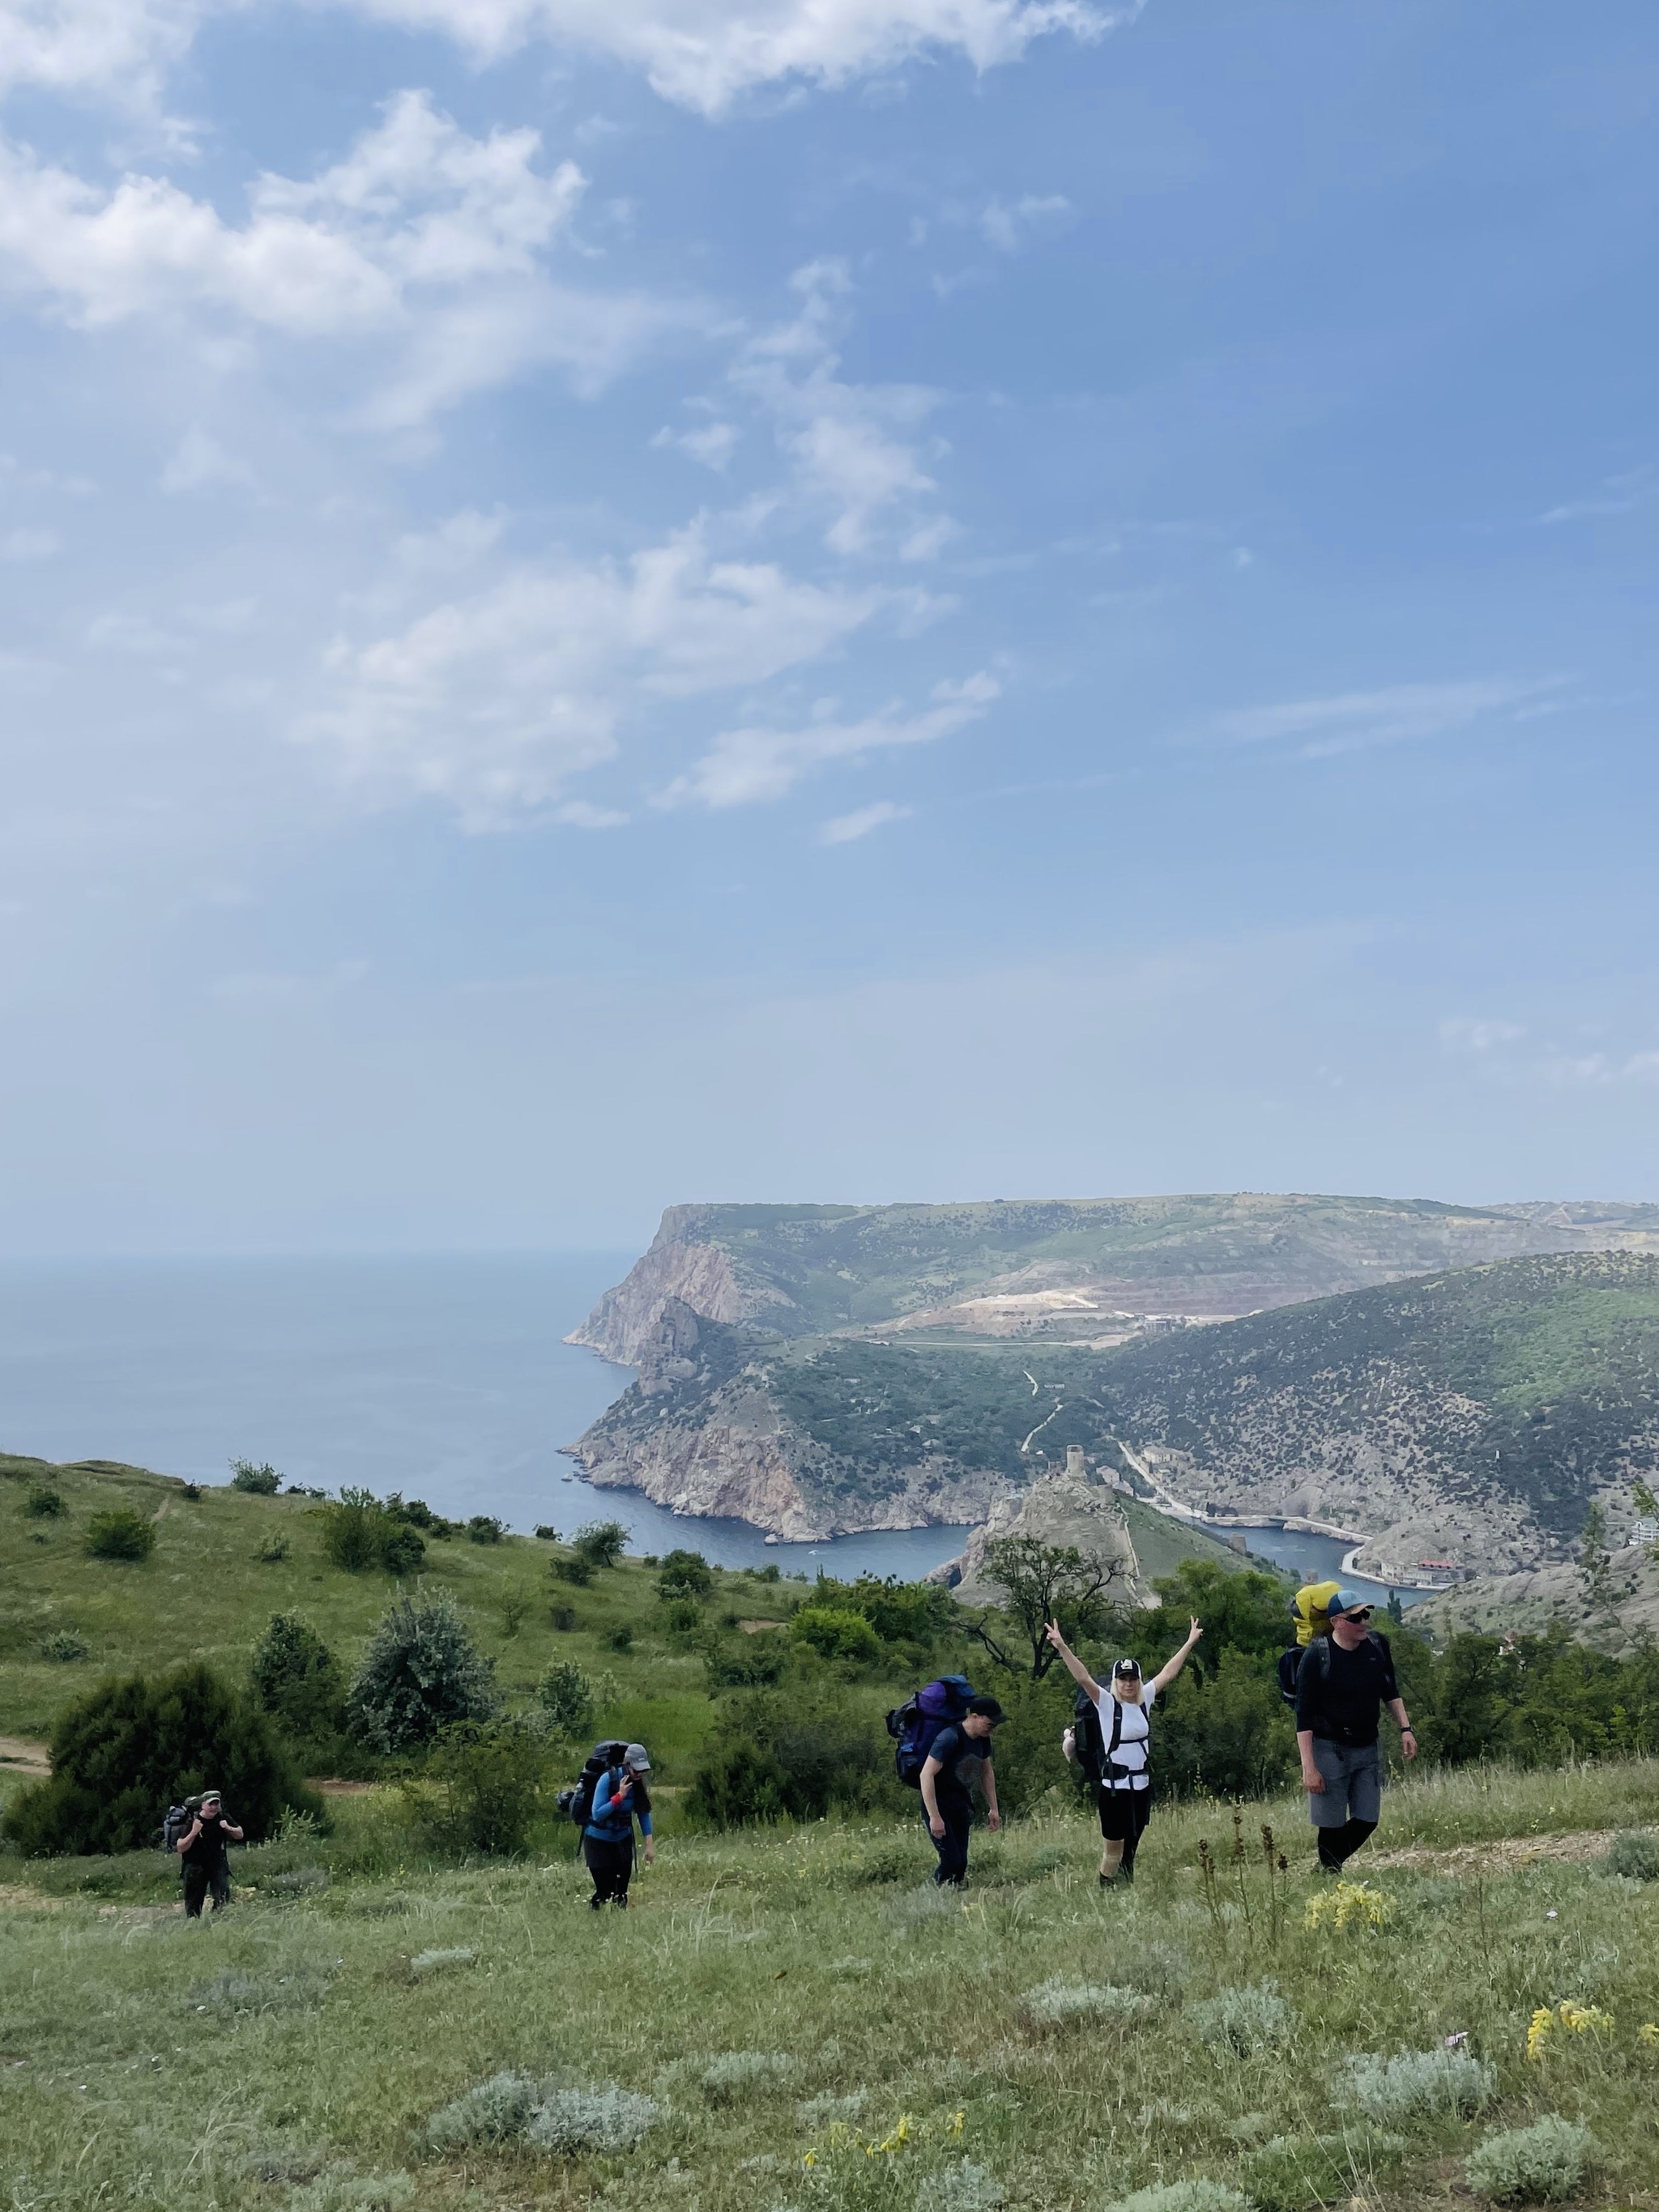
[
  {"x": 958, "y": 1758},
  {"x": 1110, "y": 1739},
  {"x": 1345, "y": 1677},
  {"x": 611, "y": 1795},
  {"x": 203, "y": 1858}
]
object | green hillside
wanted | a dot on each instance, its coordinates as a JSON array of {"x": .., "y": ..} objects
[{"x": 807, "y": 1270}]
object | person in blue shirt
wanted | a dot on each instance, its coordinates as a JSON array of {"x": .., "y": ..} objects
[
  {"x": 620, "y": 1796},
  {"x": 960, "y": 1762}
]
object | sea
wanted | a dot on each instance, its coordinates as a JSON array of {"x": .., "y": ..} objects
[{"x": 444, "y": 1377}]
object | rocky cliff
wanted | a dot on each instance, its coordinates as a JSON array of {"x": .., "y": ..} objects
[{"x": 1067, "y": 1509}]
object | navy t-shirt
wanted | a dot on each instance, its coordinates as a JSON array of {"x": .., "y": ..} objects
[
  {"x": 962, "y": 1760},
  {"x": 1341, "y": 1701}
]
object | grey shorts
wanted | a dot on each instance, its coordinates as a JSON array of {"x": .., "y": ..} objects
[{"x": 1353, "y": 1783}]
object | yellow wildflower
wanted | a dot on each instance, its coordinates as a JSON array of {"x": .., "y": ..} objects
[
  {"x": 1649, "y": 2033},
  {"x": 1351, "y": 1904},
  {"x": 1538, "y": 2033}
]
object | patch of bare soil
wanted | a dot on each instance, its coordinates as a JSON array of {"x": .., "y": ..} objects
[
  {"x": 334, "y": 1785},
  {"x": 754, "y": 1628},
  {"x": 18, "y": 1897},
  {"x": 1503, "y": 1853},
  {"x": 24, "y": 1756}
]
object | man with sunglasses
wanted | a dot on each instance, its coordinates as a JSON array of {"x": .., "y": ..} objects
[{"x": 1345, "y": 1680}]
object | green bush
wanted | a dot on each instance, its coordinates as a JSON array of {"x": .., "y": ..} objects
[
  {"x": 575, "y": 1570},
  {"x": 119, "y": 1533},
  {"x": 482, "y": 1790},
  {"x": 834, "y": 1633},
  {"x": 1230, "y": 1734},
  {"x": 1294, "y": 2173},
  {"x": 422, "y": 1673},
  {"x": 683, "y": 1616},
  {"x": 42, "y": 1503},
  {"x": 620, "y": 1639},
  {"x": 402, "y": 1551},
  {"x": 485, "y": 1528},
  {"x": 1412, "y": 2082},
  {"x": 1244, "y": 2020},
  {"x": 601, "y": 1543},
  {"x": 1196, "y": 2195},
  {"x": 297, "y": 1680},
  {"x": 359, "y": 1532},
  {"x": 566, "y": 1696},
  {"x": 263, "y": 1481},
  {"x": 126, "y": 1750},
  {"x": 683, "y": 1574},
  {"x": 772, "y": 1756},
  {"x": 65, "y": 1648},
  {"x": 1635, "y": 1855},
  {"x": 563, "y": 1616},
  {"x": 1544, "y": 2163}
]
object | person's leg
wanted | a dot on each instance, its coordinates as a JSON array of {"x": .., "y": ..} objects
[
  {"x": 195, "y": 1890},
  {"x": 594, "y": 1857},
  {"x": 1114, "y": 1834},
  {"x": 219, "y": 1885},
  {"x": 1141, "y": 1811},
  {"x": 1328, "y": 1808},
  {"x": 622, "y": 1873},
  {"x": 952, "y": 1846},
  {"x": 1364, "y": 1795}
]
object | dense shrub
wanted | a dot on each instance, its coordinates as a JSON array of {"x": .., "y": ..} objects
[
  {"x": 835, "y": 1634},
  {"x": 563, "y": 1616},
  {"x": 126, "y": 1750},
  {"x": 1244, "y": 2020},
  {"x": 1635, "y": 1855},
  {"x": 482, "y": 1790},
  {"x": 1543, "y": 2164},
  {"x": 684, "y": 1574},
  {"x": 422, "y": 1673},
  {"x": 297, "y": 1679},
  {"x": 65, "y": 1648},
  {"x": 681, "y": 1616},
  {"x": 601, "y": 1543},
  {"x": 800, "y": 1756},
  {"x": 1230, "y": 1734},
  {"x": 899, "y": 1613},
  {"x": 573, "y": 1569},
  {"x": 1295, "y": 2173},
  {"x": 359, "y": 1532},
  {"x": 1182, "y": 2196},
  {"x": 119, "y": 1533},
  {"x": 1449, "y": 2082},
  {"x": 263, "y": 1481},
  {"x": 748, "y": 1662},
  {"x": 485, "y": 1528},
  {"x": 566, "y": 1696},
  {"x": 42, "y": 1503},
  {"x": 514, "y": 2108}
]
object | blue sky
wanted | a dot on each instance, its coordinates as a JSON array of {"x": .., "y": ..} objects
[{"x": 895, "y": 599}]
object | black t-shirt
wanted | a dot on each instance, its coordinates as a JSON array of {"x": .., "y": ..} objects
[
  {"x": 1341, "y": 1699},
  {"x": 209, "y": 1847},
  {"x": 962, "y": 1761}
]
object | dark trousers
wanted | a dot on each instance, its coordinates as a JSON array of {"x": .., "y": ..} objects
[
  {"x": 952, "y": 1845},
  {"x": 198, "y": 1881},
  {"x": 1338, "y": 1845},
  {"x": 611, "y": 1866},
  {"x": 1123, "y": 1817}
]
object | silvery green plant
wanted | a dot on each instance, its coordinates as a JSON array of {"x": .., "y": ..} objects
[
  {"x": 497, "y": 2111},
  {"x": 1544, "y": 2163},
  {"x": 1244, "y": 2020},
  {"x": 1194, "y": 2196},
  {"x": 337, "y": 2189},
  {"x": 1453, "y": 2082},
  {"x": 963, "y": 2188},
  {"x": 735, "y": 2071},
  {"x": 605, "y": 2119},
  {"x": 1058, "y": 2002},
  {"x": 434, "y": 1962}
]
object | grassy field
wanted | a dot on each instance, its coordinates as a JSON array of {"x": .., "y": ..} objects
[
  {"x": 206, "y": 1593},
  {"x": 797, "y": 1993}
]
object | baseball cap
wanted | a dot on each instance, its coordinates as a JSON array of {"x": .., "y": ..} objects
[
  {"x": 1347, "y": 1601},
  {"x": 1126, "y": 1670},
  {"x": 987, "y": 1709},
  {"x": 635, "y": 1756}
]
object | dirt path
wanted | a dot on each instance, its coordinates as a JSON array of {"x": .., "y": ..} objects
[
  {"x": 1504, "y": 1854},
  {"x": 24, "y": 1756}
]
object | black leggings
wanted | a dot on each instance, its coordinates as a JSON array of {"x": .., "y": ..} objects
[
  {"x": 1338, "y": 1845},
  {"x": 611, "y": 1866},
  {"x": 1123, "y": 1817}
]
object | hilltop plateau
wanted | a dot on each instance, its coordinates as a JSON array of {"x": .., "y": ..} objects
[
  {"x": 1067, "y": 1270},
  {"x": 1473, "y": 1416}
]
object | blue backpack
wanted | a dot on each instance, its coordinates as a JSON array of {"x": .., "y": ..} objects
[{"x": 913, "y": 1725}]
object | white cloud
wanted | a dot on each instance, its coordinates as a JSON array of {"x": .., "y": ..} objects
[
  {"x": 1351, "y": 721},
  {"x": 494, "y": 701},
  {"x": 713, "y": 445},
  {"x": 746, "y": 767},
  {"x": 1005, "y": 225},
  {"x": 703, "y": 54},
  {"x": 1467, "y": 1033},
  {"x": 25, "y": 544},
  {"x": 200, "y": 462},
  {"x": 846, "y": 828},
  {"x": 423, "y": 242}
]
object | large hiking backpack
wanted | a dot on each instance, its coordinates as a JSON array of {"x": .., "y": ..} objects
[
  {"x": 177, "y": 1824},
  {"x": 577, "y": 1803},
  {"x": 913, "y": 1725},
  {"x": 1318, "y": 1657},
  {"x": 1096, "y": 1755},
  {"x": 1310, "y": 1617}
]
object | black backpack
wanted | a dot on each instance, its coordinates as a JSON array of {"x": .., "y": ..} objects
[
  {"x": 1097, "y": 1757},
  {"x": 176, "y": 1825},
  {"x": 577, "y": 1804},
  {"x": 913, "y": 1725}
]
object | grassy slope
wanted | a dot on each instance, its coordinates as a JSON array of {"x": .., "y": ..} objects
[
  {"x": 203, "y": 1593},
  {"x": 136, "y": 2074}
]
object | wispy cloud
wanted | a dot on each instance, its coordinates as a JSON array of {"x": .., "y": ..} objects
[
  {"x": 847, "y": 829},
  {"x": 1616, "y": 495},
  {"x": 1469, "y": 1033},
  {"x": 1351, "y": 721}
]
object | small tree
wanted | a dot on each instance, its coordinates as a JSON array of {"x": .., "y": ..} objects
[
  {"x": 359, "y": 1533},
  {"x": 601, "y": 1542},
  {"x": 683, "y": 1574},
  {"x": 566, "y": 1696},
  {"x": 297, "y": 1680},
  {"x": 263, "y": 1480},
  {"x": 1045, "y": 1582},
  {"x": 119, "y": 1533},
  {"x": 481, "y": 1791},
  {"x": 122, "y": 1753},
  {"x": 422, "y": 1673},
  {"x": 44, "y": 1503},
  {"x": 1595, "y": 1561},
  {"x": 835, "y": 1632}
]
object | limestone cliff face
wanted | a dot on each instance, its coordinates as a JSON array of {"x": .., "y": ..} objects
[
  {"x": 680, "y": 1265},
  {"x": 700, "y": 1432},
  {"x": 1060, "y": 1510},
  {"x": 1613, "y": 1618}
]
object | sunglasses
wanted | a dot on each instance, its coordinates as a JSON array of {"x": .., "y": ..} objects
[{"x": 1358, "y": 1613}]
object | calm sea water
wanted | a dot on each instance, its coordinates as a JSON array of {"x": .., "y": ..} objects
[{"x": 446, "y": 1378}]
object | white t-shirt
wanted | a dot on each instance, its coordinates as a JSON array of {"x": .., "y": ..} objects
[{"x": 1132, "y": 1747}]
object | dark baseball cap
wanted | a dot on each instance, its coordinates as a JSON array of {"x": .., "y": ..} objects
[
  {"x": 1126, "y": 1670},
  {"x": 1348, "y": 1600},
  {"x": 988, "y": 1709}
]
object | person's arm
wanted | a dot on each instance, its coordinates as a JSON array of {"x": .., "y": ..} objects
[
  {"x": 1311, "y": 1777},
  {"x": 931, "y": 1769},
  {"x": 233, "y": 1831},
  {"x": 644, "y": 1818},
  {"x": 993, "y": 1810},
  {"x": 617, "y": 1801},
  {"x": 1171, "y": 1668},
  {"x": 1407, "y": 1733},
  {"x": 1074, "y": 1666},
  {"x": 189, "y": 1835}
]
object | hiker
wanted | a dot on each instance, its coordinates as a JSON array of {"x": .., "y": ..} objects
[
  {"x": 201, "y": 1848},
  {"x": 1113, "y": 1745},
  {"x": 1345, "y": 1679},
  {"x": 959, "y": 1757},
  {"x": 620, "y": 1796}
]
